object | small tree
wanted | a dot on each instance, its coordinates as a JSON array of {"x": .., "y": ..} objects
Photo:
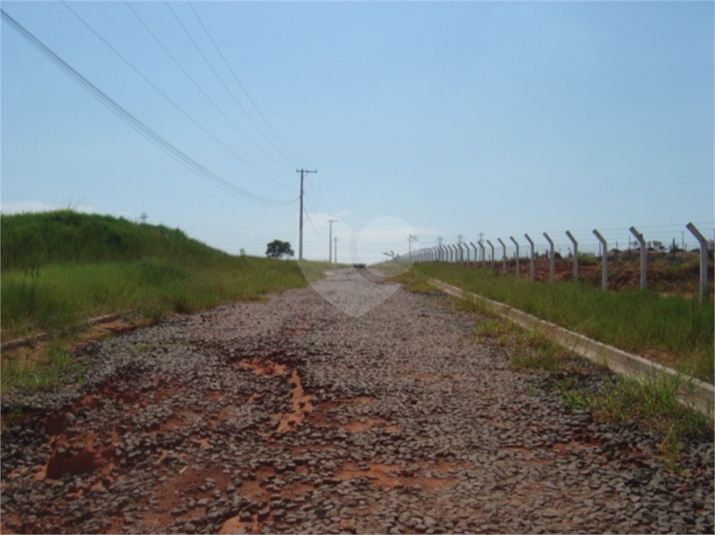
[{"x": 278, "y": 249}]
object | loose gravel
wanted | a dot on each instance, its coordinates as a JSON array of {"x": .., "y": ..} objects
[{"x": 291, "y": 416}]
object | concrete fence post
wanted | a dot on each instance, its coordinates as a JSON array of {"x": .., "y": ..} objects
[
  {"x": 575, "y": 255},
  {"x": 551, "y": 257},
  {"x": 476, "y": 255},
  {"x": 503, "y": 259},
  {"x": 484, "y": 256},
  {"x": 516, "y": 243},
  {"x": 703, "y": 261},
  {"x": 604, "y": 261},
  {"x": 491, "y": 245},
  {"x": 644, "y": 255},
  {"x": 531, "y": 256}
]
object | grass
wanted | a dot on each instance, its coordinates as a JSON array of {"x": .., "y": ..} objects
[
  {"x": 60, "y": 269},
  {"x": 44, "y": 373},
  {"x": 675, "y": 331},
  {"x": 59, "y": 297},
  {"x": 619, "y": 399}
]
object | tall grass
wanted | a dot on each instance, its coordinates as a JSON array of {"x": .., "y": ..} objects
[
  {"x": 58, "y": 297},
  {"x": 675, "y": 331},
  {"x": 61, "y": 268}
]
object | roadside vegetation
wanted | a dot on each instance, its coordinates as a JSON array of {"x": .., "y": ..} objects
[
  {"x": 59, "y": 269},
  {"x": 673, "y": 330},
  {"x": 581, "y": 383}
]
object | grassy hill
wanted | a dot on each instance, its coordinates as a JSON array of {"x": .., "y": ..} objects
[
  {"x": 67, "y": 237},
  {"x": 61, "y": 268}
]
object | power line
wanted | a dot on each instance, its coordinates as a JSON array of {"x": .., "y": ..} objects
[
  {"x": 307, "y": 214},
  {"x": 218, "y": 77},
  {"x": 179, "y": 108},
  {"x": 191, "y": 79},
  {"x": 135, "y": 123},
  {"x": 240, "y": 84}
]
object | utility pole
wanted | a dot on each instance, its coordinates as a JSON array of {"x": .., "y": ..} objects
[
  {"x": 413, "y": 237},
  {"x": 330, "y": 241},
  {"x": 300, "y": 236},
  {"x": 336, "y": 249}
]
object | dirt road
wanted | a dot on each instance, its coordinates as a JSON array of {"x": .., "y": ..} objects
[{"x": 293, "y": 416}]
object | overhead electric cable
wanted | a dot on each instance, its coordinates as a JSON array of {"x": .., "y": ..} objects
[
  {"x": 179, "y": 108},
  {"x": 135, "y": 123},
  {"x": 158, "y": 41},
  {"x": 245, "y": 92},
  {"x": 305, "y": 210},
  {"x": 220, "y": 79}
]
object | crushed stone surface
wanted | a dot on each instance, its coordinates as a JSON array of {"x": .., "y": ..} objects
[{"x": 291, "y": 416}]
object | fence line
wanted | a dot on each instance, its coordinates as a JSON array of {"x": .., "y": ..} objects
[{"x": 454, "y": 253}]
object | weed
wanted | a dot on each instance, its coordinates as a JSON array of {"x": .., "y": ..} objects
[
  {"x": 414, "y": 282},
  {"x": 52, "y": 368},
  {"x": 619, "y": 399},
  {"x": 674, "y": 330}
]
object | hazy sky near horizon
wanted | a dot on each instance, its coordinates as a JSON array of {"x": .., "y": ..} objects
[{"x": 436, "y": 119}]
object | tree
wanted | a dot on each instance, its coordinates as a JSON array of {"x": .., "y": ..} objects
[{"x": 278, "y": 249}]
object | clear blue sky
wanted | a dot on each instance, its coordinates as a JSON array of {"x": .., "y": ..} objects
[{"x": 434, "y": 119}]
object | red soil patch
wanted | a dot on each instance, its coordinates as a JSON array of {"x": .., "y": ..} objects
[
  {"x": 392, "y": 475},
  {"x": 264, "y": 367},
  {"x": 301, "y": 404}
]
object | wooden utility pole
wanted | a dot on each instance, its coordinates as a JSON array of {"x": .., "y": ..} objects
[
  {"x": 330, "y": 241},
  {"x": 300, "y": 235},
  {"x": 336, "y": 249}
]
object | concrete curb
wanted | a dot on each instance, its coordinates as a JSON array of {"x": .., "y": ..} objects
[{"x": 694, "y": 393}]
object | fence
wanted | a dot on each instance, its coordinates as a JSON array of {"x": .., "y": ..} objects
[{"x": 461, "y": 253}]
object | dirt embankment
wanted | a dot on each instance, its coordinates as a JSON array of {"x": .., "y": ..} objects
[{"x": 292, "y": 416}]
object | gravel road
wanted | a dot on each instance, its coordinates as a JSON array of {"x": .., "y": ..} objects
[{"x": 294, "y": 416}]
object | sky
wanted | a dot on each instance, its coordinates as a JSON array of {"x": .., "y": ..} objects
[{"x": 428, "y": 119}]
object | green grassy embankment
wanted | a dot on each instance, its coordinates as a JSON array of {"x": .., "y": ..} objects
[
  {"x": 672, "y": 330},
  {"x": 61, "y": 268}
]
